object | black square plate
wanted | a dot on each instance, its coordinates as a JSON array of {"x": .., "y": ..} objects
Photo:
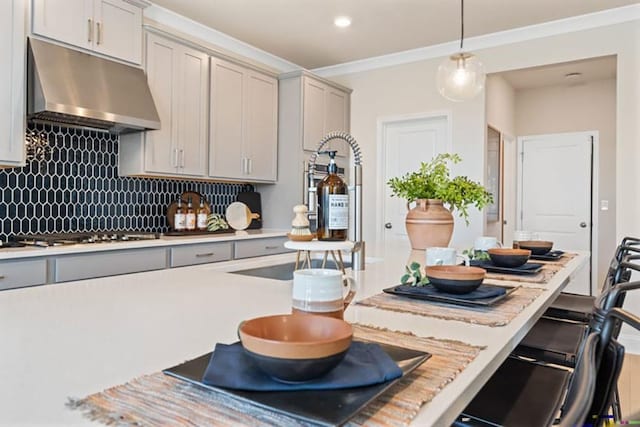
[
  {"x": 549, "y": 256},
  {"x": 528, "y": 268},
  {"x": 321, "y": 407},
  {"x": 452, "y": 298}
]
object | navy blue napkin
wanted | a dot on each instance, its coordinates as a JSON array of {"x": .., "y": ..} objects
[
  {"x": 364, "y": 364},
  {"x": 488, "y": 265},
  {"x": 483, "y": 292}
]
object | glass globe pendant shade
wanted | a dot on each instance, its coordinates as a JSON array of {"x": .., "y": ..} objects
[{"x": 461, "y": 77}]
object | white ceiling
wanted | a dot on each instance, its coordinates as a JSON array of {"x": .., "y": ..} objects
[
  {"x": 554, "y": 75},
  {"x": 302, "y": 31}
]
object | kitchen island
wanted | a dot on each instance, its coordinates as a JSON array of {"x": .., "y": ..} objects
[{"x": 77, "y": 338}]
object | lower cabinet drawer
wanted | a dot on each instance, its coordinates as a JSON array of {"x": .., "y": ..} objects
[
  {"x": 200, "y": 254},
  {"x": 87, "y": 266},
  {"x": 260, "y": 247},
  {"x": 21, "y": 273}
]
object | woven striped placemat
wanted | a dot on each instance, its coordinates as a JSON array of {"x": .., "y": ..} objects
[
  {"x": 498, "y": 314},
  {"x": 161, "y": 400},
  {"x": 549, "y": 269}
]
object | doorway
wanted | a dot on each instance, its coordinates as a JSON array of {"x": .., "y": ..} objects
[
  {"x": 403, "y": 143},
  {"x": 495, "y": 184},
  {"x": 556, "y": 177}
]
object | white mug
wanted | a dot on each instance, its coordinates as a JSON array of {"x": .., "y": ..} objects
[
  {"x": 443, "y": 256},
  {"x": 321, "y": 291},
  {"x": 523, "y": 236},
  {"x": 484, "y": 243}
]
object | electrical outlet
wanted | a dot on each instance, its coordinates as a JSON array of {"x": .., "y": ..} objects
[{"x": 604, "y": 205}]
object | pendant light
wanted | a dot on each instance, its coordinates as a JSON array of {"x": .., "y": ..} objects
[{"x": 461, "y": 76}]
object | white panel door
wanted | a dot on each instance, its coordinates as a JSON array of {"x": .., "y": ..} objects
[
  {"x": 192, "y": 84},
  {"x": 555, "y": 190},
  {"x": 118, "y": 31},
  {"x": 407, "y": 143},
  {"x": 313, "y": 113},
  {"x": 68, "y": 21},
  {"x": 161, "y": 153},
  {"x": 261, "y": 126},
  {"x": 226, "y": 157}
]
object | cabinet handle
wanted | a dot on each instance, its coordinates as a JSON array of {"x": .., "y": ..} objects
[
  {"x": 181, "y": 157},
  {"x": 271, "y": 247},
  {"x": 89, "y": 30},
  {"x": 250, "y": 164},
  {"x": 98, "y": 32},
  {"x": 174, "y": 160},
  {"x": 208, "y": 254},
  {"x": 244, "y": 166},
  {"x": 1, "y": 277}
]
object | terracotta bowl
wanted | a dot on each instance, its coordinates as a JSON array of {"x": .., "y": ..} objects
[
  {"x": 506, "y": 257},
  {"x": 295, "y": 348},
  {"x": 455, "y": 279},
  {"x": 537, "y": 247}
]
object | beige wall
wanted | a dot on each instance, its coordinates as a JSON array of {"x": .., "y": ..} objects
[
  {"x": 587, "y": 107},
  {"x": 410, "y": 88}
]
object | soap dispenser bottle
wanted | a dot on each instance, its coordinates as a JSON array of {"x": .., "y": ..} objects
[{"x": 333, "y": 204}]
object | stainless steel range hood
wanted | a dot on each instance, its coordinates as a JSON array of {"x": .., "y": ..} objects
[{"x": 74, "y": 88}]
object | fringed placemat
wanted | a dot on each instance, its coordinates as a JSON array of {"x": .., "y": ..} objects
[
  {"x": 498, "y": 314},
  {"x": 161, "y": 400}
]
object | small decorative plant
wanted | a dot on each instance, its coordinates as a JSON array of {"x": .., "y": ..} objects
[
  {"x": 414, "y": 276},
  {"x": 433, "y": 181}
]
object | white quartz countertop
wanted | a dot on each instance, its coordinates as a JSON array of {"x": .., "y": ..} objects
[
  {"x": 77, "y": 338},
  {"x": 31, "y": 251}
]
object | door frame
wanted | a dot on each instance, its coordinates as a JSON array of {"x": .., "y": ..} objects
[
  {"x": 382, "y": 124},
  {"x": 595, "y": 175}
]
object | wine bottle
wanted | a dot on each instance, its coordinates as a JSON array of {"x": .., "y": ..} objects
[
  {"x": 179, "y": 218},
  {"x": 191, "y": 216},
  {"x": 201, "y": 216},
  {"x": 333, "y": 204}
]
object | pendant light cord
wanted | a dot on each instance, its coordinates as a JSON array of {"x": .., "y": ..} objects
[{"x": 461, "y": 23}]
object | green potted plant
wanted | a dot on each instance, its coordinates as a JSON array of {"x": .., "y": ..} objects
[{"x": 430, "y": 222}]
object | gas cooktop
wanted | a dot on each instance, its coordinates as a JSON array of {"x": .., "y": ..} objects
[{"x": 59, "y": 239}]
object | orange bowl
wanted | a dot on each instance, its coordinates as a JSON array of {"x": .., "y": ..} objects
[{"x": 295, "y": 348}]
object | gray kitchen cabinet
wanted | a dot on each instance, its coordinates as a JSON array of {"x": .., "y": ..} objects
[
  {"x": 12, "y": 83},
  {"x": 260, "y": 247},
  {"x": 201, "y": 253},
  {"x": 179, "y": 80},
  {"x": 108, "y": 263},
  {"x": 22, "y": 273},
  {"x": 325, "y": 108},
  {"x": 108, "y": 27},
  {"x": 243, "y": 123}
]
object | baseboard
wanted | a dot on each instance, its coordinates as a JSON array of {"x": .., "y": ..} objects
[{"x": 631, "y": 341}]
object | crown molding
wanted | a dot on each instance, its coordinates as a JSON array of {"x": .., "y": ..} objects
[
  {"x": 195, "y": 29},
  {"x": 568, "y": 25}
]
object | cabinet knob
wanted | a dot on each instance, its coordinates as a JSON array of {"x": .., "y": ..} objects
[
  {"x": 583, "y": 224},
  {"x": 388, "y": 226}
]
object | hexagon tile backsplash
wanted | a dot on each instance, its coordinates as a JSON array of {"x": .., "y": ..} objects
[{"x": 76, "y": 188}]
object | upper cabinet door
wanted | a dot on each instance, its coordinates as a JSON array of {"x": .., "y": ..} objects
[
  {"x": 192, "y": 85},
  {"x": 337, "y": 118},
  {"x": 261, "y": 126},
  {"x": 12, "y": 81},
  {"x": 161, "y": 152},
  {"x": 226, "y": 156},
  {"x": 118, "y": 29},
  {"x": 313, "y": 113},
  {"x": 68, "y": 21}
]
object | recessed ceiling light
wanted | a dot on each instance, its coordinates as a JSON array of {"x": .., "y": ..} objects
[{"x": 342, "y": 21}]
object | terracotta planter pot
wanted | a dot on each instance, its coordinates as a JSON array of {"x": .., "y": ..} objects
[{"x": 429, "y": 224}]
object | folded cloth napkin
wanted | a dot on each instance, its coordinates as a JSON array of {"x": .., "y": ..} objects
[
  {"x": 364, "y": 364},
  {"x": 530, "y": 266},
  {"x": 483, "y": 292}
]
